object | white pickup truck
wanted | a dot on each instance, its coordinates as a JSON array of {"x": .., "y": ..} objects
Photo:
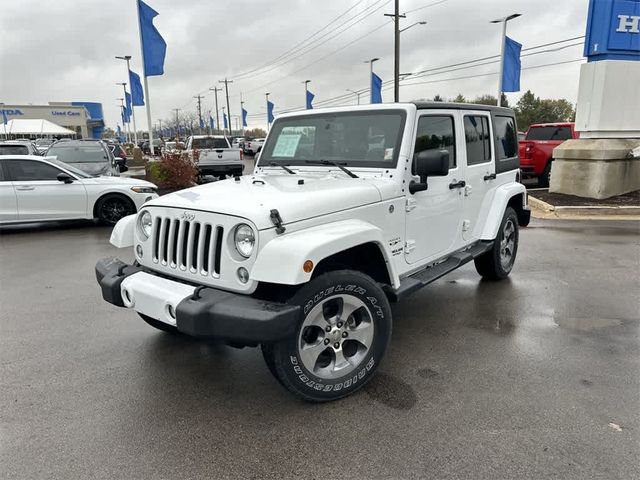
[
  {"x": 348, "y": 209},
  {"x": 216, "y": 157}
]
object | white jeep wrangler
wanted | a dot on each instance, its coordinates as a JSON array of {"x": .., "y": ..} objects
[{"x": 348, "y": 209}]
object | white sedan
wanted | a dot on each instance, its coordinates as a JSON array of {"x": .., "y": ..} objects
[{"x": 37, "y": 189}]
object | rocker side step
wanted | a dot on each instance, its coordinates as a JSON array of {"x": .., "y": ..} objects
[{"x": 424, "y": 277}]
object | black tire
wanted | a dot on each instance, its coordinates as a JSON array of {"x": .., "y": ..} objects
[
  {"x": 157, "y": 324},
  {"x": 491, "y": 265},
  {"x": 329, "y": 292},
  {"x": 113, "y": 207},
  {"x": 543, "y": 180}
]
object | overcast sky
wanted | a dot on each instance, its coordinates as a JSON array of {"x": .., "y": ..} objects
[{"x": 64, "y": 50}]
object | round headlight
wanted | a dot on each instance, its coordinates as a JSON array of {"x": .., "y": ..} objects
[
  {"x": 245, "y": 240},
  {"x": 145, "y": 222}
]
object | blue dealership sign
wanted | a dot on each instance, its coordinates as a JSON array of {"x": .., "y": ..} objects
[{"x": 613, "y": 30}]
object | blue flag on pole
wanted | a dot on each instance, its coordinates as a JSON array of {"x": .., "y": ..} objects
[
  {"x": 270, "y": 111},
  {"x": 376, "y": 88},
  {"x": 5, "y": 120},
  {"x": 127, "y": 108},
  {"x": 154, "y": 47},
  {"x": 201, "y": 123},
  {"x": 244, "y": 117},
  {"x": 136, "y": 89},
  {"x": 310, "y": 97},
  {"x": 224, "y": 117},
  {"x": 512, "y": 66},
  {"x": 212, "y": 124}
]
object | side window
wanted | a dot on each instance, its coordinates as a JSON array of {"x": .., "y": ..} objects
[
  {"x": 506, "y": 137},
  {"x": 478, "y": 140},
  {"x": 31, "y": 170},
  {"x": 436, "y": 133}
]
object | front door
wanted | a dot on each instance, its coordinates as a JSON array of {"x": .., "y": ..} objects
[
  {"x": 41, "y": 196},
  {"x": 480, "y": 172},
  {"x": 434, "y": 216}
]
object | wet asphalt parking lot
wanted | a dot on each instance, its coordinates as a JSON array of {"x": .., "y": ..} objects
[{"x": 517, "y": 379}]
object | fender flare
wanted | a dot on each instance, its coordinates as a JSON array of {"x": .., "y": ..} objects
[
  {"x": 281, "y": 259},
  {"x": 503, "y": 195},
  {"x": 122, "y": 234}
]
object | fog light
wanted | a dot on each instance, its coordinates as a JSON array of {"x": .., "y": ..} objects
[
  {"x": 243, "y": 275},
  {"x": 139, "y": 250}
]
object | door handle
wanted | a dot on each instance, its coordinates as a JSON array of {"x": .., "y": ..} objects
[
  {"x": 490, "y": 177},
  {"x": 459, "y": 184},
  {"x": 25, "y": 187}
]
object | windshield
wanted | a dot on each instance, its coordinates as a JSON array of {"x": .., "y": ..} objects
[
  {"x": 549, "y": 133},
  {"x": 14, "y": 150},
  {"x": 86, "y": 153},
  {"x": 357, "y": 139},
  {"x": 209, "y": 142},
  {"x": 76, "y": 171}
]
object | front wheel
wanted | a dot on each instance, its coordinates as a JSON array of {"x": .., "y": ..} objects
[
  {"x": 344, "y": 331},
  {"x": 111, "y": 208},
  {"x": 497, "y": 263}
]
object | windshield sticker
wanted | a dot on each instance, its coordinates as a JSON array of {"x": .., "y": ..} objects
[
  {"x": 388, "y": 153},
  {"x": 286, "y": 145}
]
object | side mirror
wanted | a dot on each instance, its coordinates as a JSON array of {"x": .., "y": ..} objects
[
  {"x": 429, "y": 163},
  {"x": 63, "y": 177}
]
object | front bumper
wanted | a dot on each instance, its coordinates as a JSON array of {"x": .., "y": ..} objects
[{"x": 197, "y": 311}]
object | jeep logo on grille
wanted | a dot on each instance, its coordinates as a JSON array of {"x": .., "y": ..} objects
[{"x": 187, "y": 216}]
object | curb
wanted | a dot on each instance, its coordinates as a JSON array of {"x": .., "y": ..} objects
[{"x": 546, "y": 210}]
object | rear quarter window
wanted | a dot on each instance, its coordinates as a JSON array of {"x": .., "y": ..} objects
[{"x": 549, "y": 133}]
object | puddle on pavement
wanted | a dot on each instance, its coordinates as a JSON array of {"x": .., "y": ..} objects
[
  {"x": 391, "y": 392},
  {"x": 580, "y": 323}
]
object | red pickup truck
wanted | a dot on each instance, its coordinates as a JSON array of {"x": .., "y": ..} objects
[{"x": 536, "y": 150}]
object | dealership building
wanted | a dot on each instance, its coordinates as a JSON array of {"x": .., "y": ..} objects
[{"x": 84, "y": 118}]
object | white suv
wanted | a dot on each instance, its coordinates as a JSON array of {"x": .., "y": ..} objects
[{"x": 348, "y": 209}]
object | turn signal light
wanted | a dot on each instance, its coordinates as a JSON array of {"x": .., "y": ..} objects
[{"x": 307, "y": 266}]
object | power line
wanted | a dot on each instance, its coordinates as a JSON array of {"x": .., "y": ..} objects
[
  {"x": 311, "y": 47},
  {"x": 299, "y": 43}
]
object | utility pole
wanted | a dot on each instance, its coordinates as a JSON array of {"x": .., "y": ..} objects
[
  {"x": 199, "y": 97},
  {"x": 127, "y": 58},
  {"x": 502, "y": 42},
  {"x": 215, "y": 90},
  {"x": 396, "y": 57},
  {"x": 177, "y": 110},
  {"x": 226, "y": 91},
  {"x": 160, "y": 127}
]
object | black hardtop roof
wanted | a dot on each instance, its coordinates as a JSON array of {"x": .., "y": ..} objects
[{"x": 463, "y": 106}]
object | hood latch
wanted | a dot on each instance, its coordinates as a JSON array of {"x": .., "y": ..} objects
[{"x": 277, "y": 221}]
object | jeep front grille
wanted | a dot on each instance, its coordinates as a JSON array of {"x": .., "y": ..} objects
[{"x": 187, "y": 245}]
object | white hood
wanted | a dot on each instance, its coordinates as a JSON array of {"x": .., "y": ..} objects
[
  {"x": 253, "y": 197},
  {"x": 114, "y": 181}
]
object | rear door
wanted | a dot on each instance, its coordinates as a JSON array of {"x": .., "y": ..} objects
[
  {"x": 8, "y": 201},
  {"x": 480, "y": 175},
  {"x": 41, "y": 196},
  {"x": 434, "y": 215}
]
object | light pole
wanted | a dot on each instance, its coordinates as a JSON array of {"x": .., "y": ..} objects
[
  {"x": 226, "y": 91},
  {"x": 412, "y": 25},
  {"x": 127, "y": 58},
  {"x": 306, "y": 93},
  {"x": 357, "y": 94},
  {"x": 215, "y": 90},
  {"x": 370, "y": 62},
  {"x": 502, "y": 42},
  {"x": 396, "y": 56}
]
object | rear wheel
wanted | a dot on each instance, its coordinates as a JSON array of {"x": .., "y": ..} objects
[
  {"x": 111, "y": 208},
  {"x": 343, "y": 333},
  {"x": 497, "y": 263},
  {"x": 545, "y": 178}
]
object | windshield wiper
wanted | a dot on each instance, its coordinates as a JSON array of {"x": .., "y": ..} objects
[
  {"x": 336, "y": 164},
  {"x": 284, "y": 167}
]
